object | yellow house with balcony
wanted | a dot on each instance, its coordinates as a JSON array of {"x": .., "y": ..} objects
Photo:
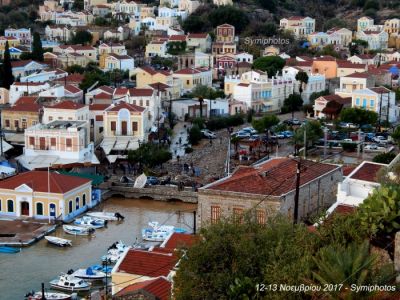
[{"x": 44, "y": 195}]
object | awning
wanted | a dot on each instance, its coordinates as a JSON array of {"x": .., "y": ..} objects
[{"x": 96, "y": 179}]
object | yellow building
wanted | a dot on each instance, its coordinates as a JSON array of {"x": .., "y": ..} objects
[
  {"x": 193, "y": 77},
  {"x": 24, "y": 114},
  {"x": 4, "y": 96},
  {"x": 156, "y": 48},
  {"x": 147, "y": 75},
  {"x": 42, "y": 194},
  {"x": 12, "y": 42}
]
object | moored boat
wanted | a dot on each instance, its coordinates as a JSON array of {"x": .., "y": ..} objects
[
  {"x": 109, "y": 216},
  {"x": 75, "y": 230},
  {"x": 89, "y": 274},
  {"x": 90, "y": 222},
  {"x": 5, "y": 249},
  {"x": 158, "y": 233},
  {"x": 140, "y": 182},
  {"x": 48, "y": 296},
  {"x": 58, "y": 241},
  {"x": 70, "y": 283}
]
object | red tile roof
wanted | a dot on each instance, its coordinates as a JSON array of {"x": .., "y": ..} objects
[
  {"x": 68, "y": 105},
  {"x": 26, "y": 99},
  {"x": 106, "y": 89},
  {"x": 344, "y": 209},
  {"x": 380, "y": 90},
  {"x": 180, "y": 240},
  {"x": 103, "y": 95},
  {"x": 367, "y": 172},
  {"x": 135, "y": 92},
  {"x": 244, "y": 84},
  {"x": 178, "y": 38},
  {"x": 98, "y": 106},
  {"x": 296, "y": 18},
  {"x": 358, "y": 75},
  {"x": 38, "y": 181},
  {"x": 72, "y": 89},
  {"x": 146, "y": 263},
  {"x": 25, "y": 104},
  {"x": 75, "y": 77},
  {"x": 348, "y": 169},
  {"x": 20, "y": 63},
  {"x": 159, "y": 85},
  {"x": 197, "y": 35},
  {"x": 121, "y": 91},
  {"x": 273, "y": 177},
  {"x": 130, "y": 107},
  {"x": 350, "y": 65},
  {"x": 160, "y": 288},
  {"x": 29, "y": 83}
]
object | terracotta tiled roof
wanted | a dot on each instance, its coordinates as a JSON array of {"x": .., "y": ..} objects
[
  {"x": 348, "y": 169},
  {"x": 98, "y": 106},
  {"x": 103, "y": 95},
  {"x": 146, "y": 263},
  {"x": 29, "y": 83},
  {"x": 75, "y": 77},
  {"x": 273, "y": 177},
  {"x": 38, "y": 181},
  {"x": 107, "y": 89},
  {"x": 358, "y": 75},
  {"x": 160, "y": 288},
  {"x": 344, "y": 209},
  {"x": 159, "y": 85},
  {"x": 244, "y": 84},
  {"x": 296, "y": 18},
  {"x": 367, "y": 172},
  {"x": 67, "y": 105},
  {"x": 350, "y": 65},
  {"x": 325, "y": 58},
  {"x": 26, "y": 100},
  {"x": 197, "y": 35},
  {"x": 225, "y": 26},
  {"x": 135, "y": 92},
  {"x": 178, "y": 38},
  {"x": 24, "y": 107},
  {"x": 72, "y": 89},
  {"x": 380, "y": 90},
  {"x": 121, "y": 91},
  {"x": 244, "y": 64},
  {"x": 130, "y": 107},
  {"x": 178, "y": 240}
]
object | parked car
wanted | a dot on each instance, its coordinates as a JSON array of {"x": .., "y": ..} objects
[
  {"x": 380, "y": 139},
  {"x": 292, "y": 122},
  {"x": 255, "y": 137},
  {"x": 208, "y": 134},
  {"x": 243, "y": 135},
  {"x": 347, "y": 125},
  {"x": 152, "y": 180},
  {"x": 287, "y": 134},
  {"x": 348, "y": 140},
  {"x": 375, "y": 147},
  {"x": 250, "y": 130},
  {"x": 277, "y": 135}
]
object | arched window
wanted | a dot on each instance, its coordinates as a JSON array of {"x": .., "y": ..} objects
[
  {"x": 39, "y": 209},
  {"x": 10, "y": 205},
  {"x": 70, "y": 206},
  {"x": 77, "y": 203},
  {"x": 83, "y": 200}
]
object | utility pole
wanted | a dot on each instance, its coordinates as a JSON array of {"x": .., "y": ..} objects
[
  {"x": 325, "y": 140},
  {"x": 305, "y": 142},
  {"x": 296, "y": 195},
  {"x": 194, "y": 222},
  {"x": 380, "y": 113}
]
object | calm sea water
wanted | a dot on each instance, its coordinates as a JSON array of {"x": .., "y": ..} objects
[{"x": 41, "y": 262}]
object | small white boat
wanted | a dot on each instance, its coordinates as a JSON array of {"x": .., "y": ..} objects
[
  {"x": 70, "y": 283},
  {"x": 89, "y": 274},
  {"x": 140, "y": 182},
  {"x": 90, "y": 222},
  {"x": 48, "y": 296},
  {"x": 109, "y": 216},
  {"x": 75, "y": 230},
  {"x": 158, "y": 233},
  {"x": 58, "y": 241}
]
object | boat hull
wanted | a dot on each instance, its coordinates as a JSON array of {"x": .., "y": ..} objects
[
  {"x": 77, "y": 230},
  {"x": 58, "y": 241},
  {"x": 50, "y": 296},
  {"x": 104, "y": 216},
  {"x": 69, "y": 289},
  {"x": 9, "y": 250}
]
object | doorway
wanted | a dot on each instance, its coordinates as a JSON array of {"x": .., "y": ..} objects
[
  {"x": 25, "y": 208},
  {"x": 124, "y": 128}
]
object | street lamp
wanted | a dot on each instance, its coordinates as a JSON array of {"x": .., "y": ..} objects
[{"x": 105, "y": 265}]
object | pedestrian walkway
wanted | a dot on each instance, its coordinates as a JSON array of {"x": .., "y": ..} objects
[{"x": 180, "y": 138}]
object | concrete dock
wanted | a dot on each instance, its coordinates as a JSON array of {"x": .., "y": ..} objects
[{"x": 23, "y": 232}]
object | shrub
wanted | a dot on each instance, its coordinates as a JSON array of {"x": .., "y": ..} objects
[
  {"x": 384, "y": 158},
  {"x": 195, "y": 135},
  {"x": 349, "y": 147},
  {"x": 188, "y": 150}
]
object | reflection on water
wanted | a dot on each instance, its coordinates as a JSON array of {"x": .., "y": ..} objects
[{"x": 42, "y": 262}]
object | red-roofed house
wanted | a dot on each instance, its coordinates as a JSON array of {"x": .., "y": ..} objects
[
  {"x": 25, "y": 113},
  {"x": 118, "y": 62},
  {"x": 271, "y": 186},
  {"x": 125, "y": 125},
  {"x": 300, "y": 26},
  {"x": 73, "y": 93},
  {"x": 199, "y": 41},
  {"x": 22, "y": 68},
  {"x": 136, "y": 266},
  {"x": 330, "y": 106},
  {"x": 100, "y": 95},
  {"x": 357, "y": 185},
  {"x": 28, "y": 194},
  {"x": 65, "y": 110},
  {"x": 192, "y": 77},
  {"x": 345, "y": 68},
  {"x": 159, "y": 288},
  {"x": 354, "y": 81},
  {"x": 179, "y": 240}
]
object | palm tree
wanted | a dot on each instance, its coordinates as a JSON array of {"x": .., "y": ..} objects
[
  {"x": 303, "y": 78},
  {"x": 201, "y": 92},
  {"x": 337, "y": 265}
]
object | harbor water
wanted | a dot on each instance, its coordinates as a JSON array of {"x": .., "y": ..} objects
[{"x": 42, "y": 262}]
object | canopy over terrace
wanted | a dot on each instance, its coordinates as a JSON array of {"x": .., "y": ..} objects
[{"x": 118, "y": 147}]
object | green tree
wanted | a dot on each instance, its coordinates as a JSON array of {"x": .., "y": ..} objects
[
  {"x": 380, "y": 212},
  {"x": 293, "y": 103},
  {"x": 37, "y": 49},
  {"x": 302, "y": 77},
  {"x": 176, "y": 48},
  {"x": 270, "y": 64},
  {"x": 315, "y": 95},
  {"x": 6, "y": 69},
  {"x": 371, "y": 4},
  {"x": 91, "y": 78},
  {"x": 81, "y": 37},
  {"x": 229, "y": 14},
  {"x": 202, "y": 92},
  {"x": 149, "y": 155},
  {"x": 313, "y": 133},
  {"x": 75, "y": 69},
  {"x": 271, "y": 5},
  {"x": 194, "y": 135},
  {"x": 194, "y": 24},
  {"x": 265, "y": 123},
  {"x": 396, "y": 135},
  {"x": 384, "y": 158},
  {"x": 78, "y": 5},
  {"x": 358, "y": 116},
  {"x": 349, "y": 265},
  {"x": 232, "y": 257}
]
